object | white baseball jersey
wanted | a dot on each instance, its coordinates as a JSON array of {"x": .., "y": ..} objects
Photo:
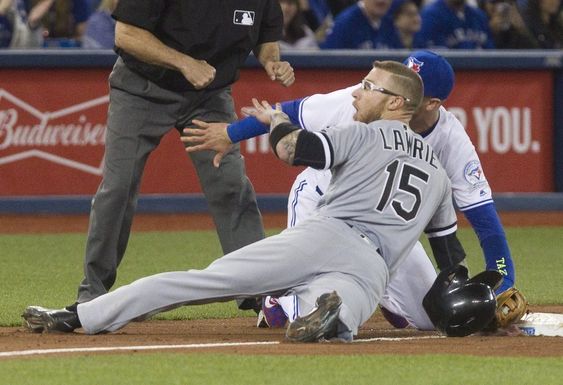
[{"x": 448, "y": 139}]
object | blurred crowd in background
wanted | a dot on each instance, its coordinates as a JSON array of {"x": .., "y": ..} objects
[{"x": 317, "y": 24}]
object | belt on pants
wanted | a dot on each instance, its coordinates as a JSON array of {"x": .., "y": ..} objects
[{"x": 365, "y": 238}]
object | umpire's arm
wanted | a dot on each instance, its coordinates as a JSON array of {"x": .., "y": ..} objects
[{"x": 145, "y": 46}]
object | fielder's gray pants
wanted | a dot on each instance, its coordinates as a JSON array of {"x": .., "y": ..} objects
[
  {"x": 140, "y": 114},
  {"x": 317, "y": 256}
]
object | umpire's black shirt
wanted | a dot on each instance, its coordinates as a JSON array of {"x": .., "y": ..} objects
[{"x": 222, "y": 32}]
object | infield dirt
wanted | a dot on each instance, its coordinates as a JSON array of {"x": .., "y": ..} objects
[{"x": 244, "y": 329}]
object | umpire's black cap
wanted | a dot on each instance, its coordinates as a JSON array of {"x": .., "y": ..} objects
[{"x": 458, "y": 306}]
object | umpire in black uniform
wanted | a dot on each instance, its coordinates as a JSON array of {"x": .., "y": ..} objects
[{"x": 177, "y": 60}]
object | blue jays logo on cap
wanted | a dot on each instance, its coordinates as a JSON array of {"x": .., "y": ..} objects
[
  {"x": 414, "y": 64},
  {"x": 436, "y": 73}
]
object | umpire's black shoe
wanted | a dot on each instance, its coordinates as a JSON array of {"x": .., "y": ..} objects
[
  {"x": 320, "y": 324},
  {"x": 250, "y": 304},
  {"x": 38, "y": 319}
]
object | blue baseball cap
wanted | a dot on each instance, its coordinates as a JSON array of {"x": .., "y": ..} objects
[{"x": 436, "y": 73}]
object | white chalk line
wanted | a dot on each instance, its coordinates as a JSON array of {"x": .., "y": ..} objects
[
  {"x": 393, "y": 339},
  {"x": 36, "y": 352}
]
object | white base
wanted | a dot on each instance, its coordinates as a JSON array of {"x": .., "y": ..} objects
[{"x": 542, "y": 324}]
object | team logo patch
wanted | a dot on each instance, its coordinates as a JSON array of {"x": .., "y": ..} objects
[
  {"x": 474, "y": 173},
  {"x": 241, "y": 17},
  {"x": 414, "y": 64}
]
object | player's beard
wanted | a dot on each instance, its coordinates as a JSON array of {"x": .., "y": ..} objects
[{"x": 368, "y": 115}]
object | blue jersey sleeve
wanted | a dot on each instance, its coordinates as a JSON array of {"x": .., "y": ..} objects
[
  {"x": 486, "y": 224},
  {"x": 292, "y": 109},
  {"x": 246, "y": 128},
  {"x": 250, "y": 127}
]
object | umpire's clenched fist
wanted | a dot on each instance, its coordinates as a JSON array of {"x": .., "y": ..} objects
[
  {"x": 199, "y": 73},
  {"x": 280, "y": 71}
]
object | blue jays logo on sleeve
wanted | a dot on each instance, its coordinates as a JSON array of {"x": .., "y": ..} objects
[
  {"x": 474, "y": 174},
  {"x": 242, "y": 17},
  {"x": 414, "y": 64}
]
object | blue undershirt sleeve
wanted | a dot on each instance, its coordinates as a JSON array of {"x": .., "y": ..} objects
[
  {"x": 292, "y": 109},
  {"x": 250, "y": 127},
  {"x": 486, "y": 224},
  {"x": 246, "y": 128}
]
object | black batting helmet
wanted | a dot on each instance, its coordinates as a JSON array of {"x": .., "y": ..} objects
[{"x": 459, "y": 306}]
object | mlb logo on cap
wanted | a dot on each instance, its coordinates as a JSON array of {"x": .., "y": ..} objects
[
  {"x": 241, "y": 17},
  {"x": 436, "y": 73}
]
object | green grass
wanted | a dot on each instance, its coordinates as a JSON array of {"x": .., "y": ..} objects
[
  {"x": 169, "y": 368},
  {"x": 46, "y": 269},
  {"x": 537, "y": 255}
]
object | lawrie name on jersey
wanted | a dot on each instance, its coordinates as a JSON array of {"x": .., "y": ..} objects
[{"x": 401, "y": 140}]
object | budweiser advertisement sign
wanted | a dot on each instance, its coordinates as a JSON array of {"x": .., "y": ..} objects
[
  {"x": 52, "y": 131},
  {"x": 53, "y": 126},
  {"x": 51, "y": 151},
  {"x": 60, "y": 137}
]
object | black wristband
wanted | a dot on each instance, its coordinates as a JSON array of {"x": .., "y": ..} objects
[
  {"x": 280, "y": 131},
  {"x": 447, "y": 250}
]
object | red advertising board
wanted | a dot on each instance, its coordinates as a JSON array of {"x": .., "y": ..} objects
[
  {"x": 509, "y": 118},
  {"x": 52, "y": 125}
]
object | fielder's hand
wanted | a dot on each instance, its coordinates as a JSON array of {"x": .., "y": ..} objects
[
  {"x": 511, "y": 307},
  {"x": 208, "y": 136},
  {"x": 265, "y": 113}
]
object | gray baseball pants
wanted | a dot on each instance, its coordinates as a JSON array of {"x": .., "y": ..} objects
[
  {"x": 140, "y": 114},
  {"x": 317, "y": 256}
]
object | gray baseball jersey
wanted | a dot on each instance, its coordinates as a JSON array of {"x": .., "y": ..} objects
[
  {"x": 378, "y": 188},
  {"x": 387, "y": 185}
]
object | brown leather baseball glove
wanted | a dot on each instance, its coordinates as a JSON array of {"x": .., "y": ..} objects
[{"x": 511, "y": 307}]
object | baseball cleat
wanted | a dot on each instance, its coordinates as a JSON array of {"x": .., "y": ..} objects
[
  {"x": 32, "y": 319},
  {"x": 250, "y": 304},
  {"x": 261, "y": 320},
  {"x": 38, "y": 319},
  {"x": 319, "y": 324}
]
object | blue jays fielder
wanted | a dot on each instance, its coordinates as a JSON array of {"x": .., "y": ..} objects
[
  {"x": 402, "y": 302},
  {"x": 387, "y": 187}
]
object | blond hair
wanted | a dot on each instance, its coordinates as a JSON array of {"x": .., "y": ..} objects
[{"x": 406, "y": 82}]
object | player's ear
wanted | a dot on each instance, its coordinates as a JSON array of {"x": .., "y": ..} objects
[
  {"x": 395, "y": 103},
  {"x": 432, "y": 104}
]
